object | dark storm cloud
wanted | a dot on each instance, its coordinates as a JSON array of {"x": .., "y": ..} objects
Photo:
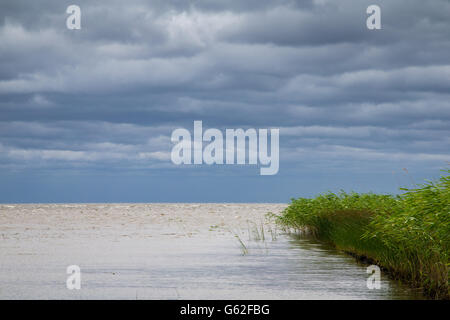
[{"x": 111, "y": 93}]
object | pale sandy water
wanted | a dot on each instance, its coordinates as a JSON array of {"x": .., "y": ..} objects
[{"x": 171, "y": 251}]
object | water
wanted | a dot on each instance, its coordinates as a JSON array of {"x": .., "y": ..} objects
[{"x": 172, "y": 251}]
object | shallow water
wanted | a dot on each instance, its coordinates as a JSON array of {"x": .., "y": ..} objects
[{"x": 172, "y": 251}]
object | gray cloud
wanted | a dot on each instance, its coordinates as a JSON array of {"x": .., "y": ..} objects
[{"x": 109, "y": 95}]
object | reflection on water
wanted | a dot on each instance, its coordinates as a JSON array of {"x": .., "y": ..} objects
[
  {"x": 171, "y": 251},
  {"x": 334, "y": 272}
]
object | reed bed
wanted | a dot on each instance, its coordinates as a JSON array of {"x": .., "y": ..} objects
[{"x": 408, "y": 235}]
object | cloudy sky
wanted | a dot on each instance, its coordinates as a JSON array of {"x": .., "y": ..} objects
[{"x": 86, "y": 115}]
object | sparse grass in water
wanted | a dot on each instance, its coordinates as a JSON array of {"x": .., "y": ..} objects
[
  {"x": 255, "y": 233},
  {"x": 408, "y": 235},
  {"x": 243, "y": 246}
]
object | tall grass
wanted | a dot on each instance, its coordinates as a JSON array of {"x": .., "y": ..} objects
[{"x": 408, "y": 235}]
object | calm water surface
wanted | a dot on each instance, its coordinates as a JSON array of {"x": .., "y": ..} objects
[{"x": 172, "y": 251}]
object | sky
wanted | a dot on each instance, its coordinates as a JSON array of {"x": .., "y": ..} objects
[{"x": 87, "y": 115}]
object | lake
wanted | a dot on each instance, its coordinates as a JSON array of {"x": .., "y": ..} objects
[{"x": 172, "y": 251}]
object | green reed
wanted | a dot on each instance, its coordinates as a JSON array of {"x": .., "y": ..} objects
[{"x": 408, "y": 235}]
